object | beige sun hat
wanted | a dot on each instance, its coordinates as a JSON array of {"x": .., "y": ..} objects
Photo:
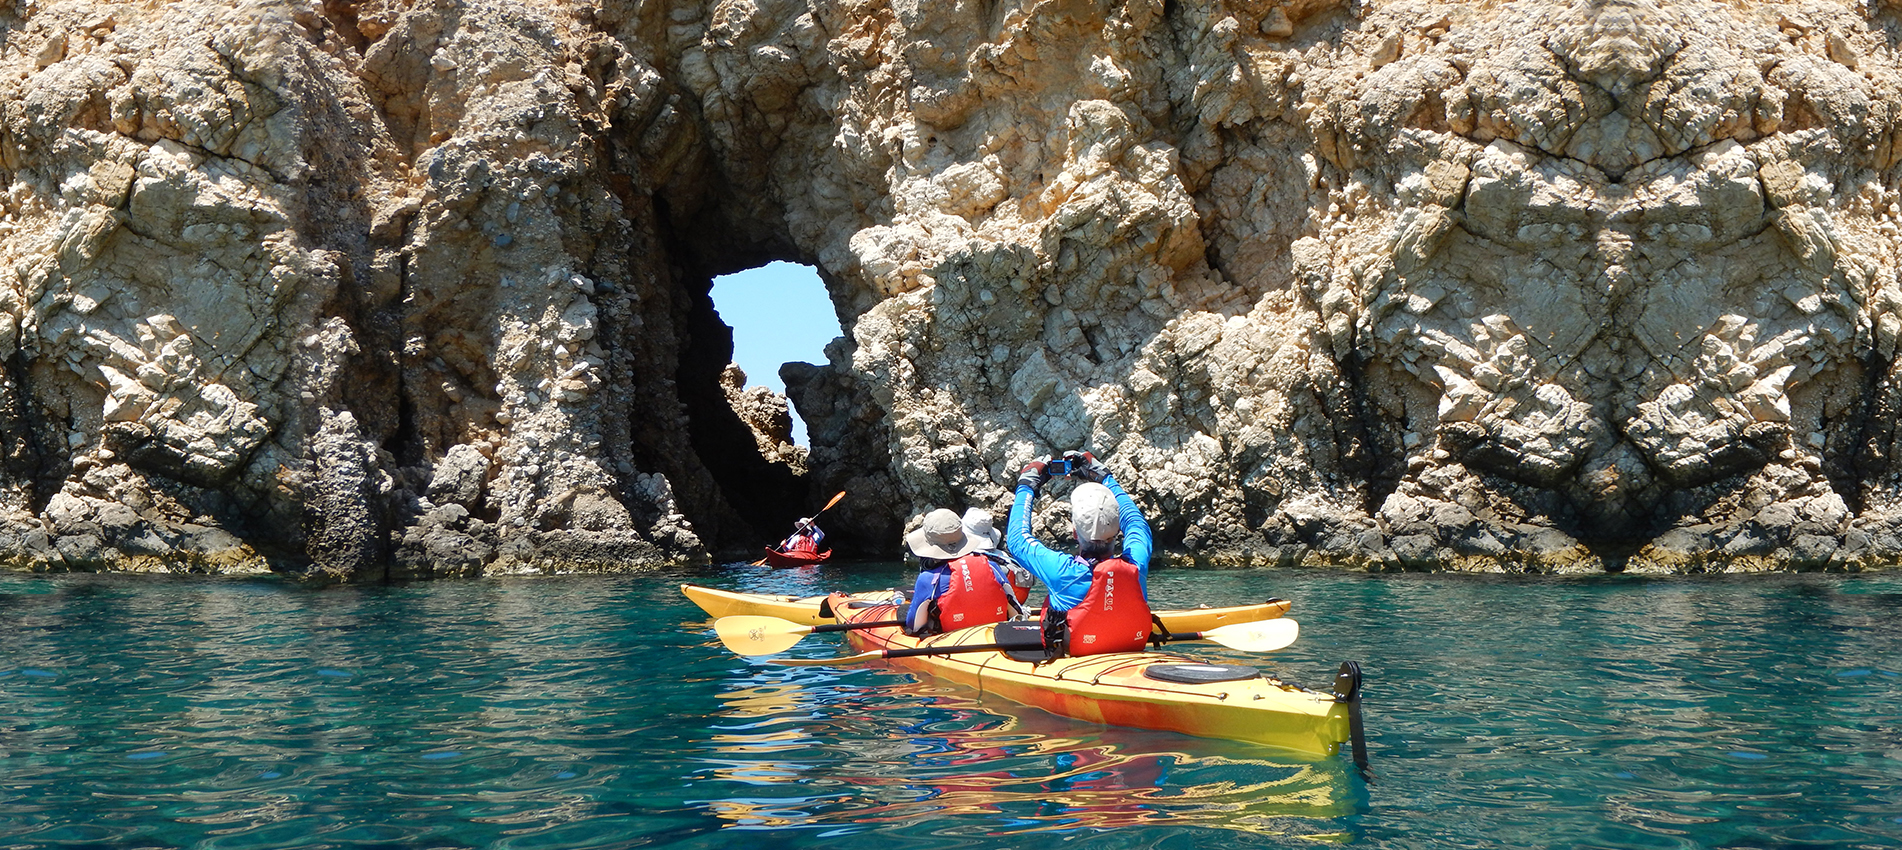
[
  {"x": 978, "y": 524},
  {"x": 941, "y": 537},
  {"x": 1093, "y": 510}
]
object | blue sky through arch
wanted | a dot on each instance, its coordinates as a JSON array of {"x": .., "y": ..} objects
[{"x": 779, "y": 313}]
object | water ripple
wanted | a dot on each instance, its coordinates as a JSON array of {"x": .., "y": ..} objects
[{"x": 602, "y": 712}]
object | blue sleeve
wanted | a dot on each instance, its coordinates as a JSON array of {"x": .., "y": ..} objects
[
  {"x": 1066, "y": 579},
  {"x": 1138, "y": 542},
  {"x": 921, "y": 594}
]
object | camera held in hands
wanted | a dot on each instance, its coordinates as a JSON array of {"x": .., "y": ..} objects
[{"x": 1060, "y": 466}]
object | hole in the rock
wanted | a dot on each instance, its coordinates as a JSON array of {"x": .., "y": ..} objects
[{"x": 780, "y": 313}]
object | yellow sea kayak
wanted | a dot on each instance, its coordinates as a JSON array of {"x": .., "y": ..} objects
[
  {"x": 1149, "y": 690},
  {"x": 805, "y": 609}
]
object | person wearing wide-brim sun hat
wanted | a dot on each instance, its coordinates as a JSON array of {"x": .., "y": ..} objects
[
  {"x": 1090, "y": 608},
  {"x": 958, "y": 586}
]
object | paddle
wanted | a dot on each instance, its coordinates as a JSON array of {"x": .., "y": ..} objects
[
  {"x": 751, "y": 634},
  {"x": 781, "y": 547},
  {"x": 1263, "y": 636}
]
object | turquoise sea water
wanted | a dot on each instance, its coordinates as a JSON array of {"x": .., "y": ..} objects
[{"x": 602, "y": 712}]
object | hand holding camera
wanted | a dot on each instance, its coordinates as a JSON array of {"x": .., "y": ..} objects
[
  {"x": 1083, "y": 465},
  {"x": 1034, "y": 474},
  {"x": 1074, "y": 464}
]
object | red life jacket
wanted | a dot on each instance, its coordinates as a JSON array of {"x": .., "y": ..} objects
[
  {"x": 802, "y": 542},
  {"x": 1114, "y": 617},
  {"x": 972, "y": 597}
]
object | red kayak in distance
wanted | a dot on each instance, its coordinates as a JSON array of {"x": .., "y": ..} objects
[{"x": 776, "y": 558}]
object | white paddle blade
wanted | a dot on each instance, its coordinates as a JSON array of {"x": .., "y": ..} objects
[
  {"x": 750, "y": 634},
  {"x": 1259, "y": 636}
]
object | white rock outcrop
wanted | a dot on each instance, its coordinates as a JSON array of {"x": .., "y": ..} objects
[{"x": 385, "y": 288}]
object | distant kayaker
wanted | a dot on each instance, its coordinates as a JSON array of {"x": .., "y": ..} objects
[
  {"x": 805, "y": 538},
  {"x": 1091, "y": 608},
  {"x": 958, "y": 587}
]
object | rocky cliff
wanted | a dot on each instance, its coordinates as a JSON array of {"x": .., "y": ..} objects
[{"x": 383, "y": 288}]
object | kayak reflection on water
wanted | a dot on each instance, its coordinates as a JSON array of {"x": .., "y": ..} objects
[{"x": 884, "y": 749}]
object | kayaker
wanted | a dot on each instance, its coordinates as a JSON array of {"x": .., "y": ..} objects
[
  {"x": 805, "y": 538},
  {"x": 977, "y": 523},
  {"x": 958, "y": 587},
  {"x": 1090, "y": 609}
]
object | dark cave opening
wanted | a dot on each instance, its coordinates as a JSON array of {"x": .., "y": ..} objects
[{"x": 767, "y": 496}]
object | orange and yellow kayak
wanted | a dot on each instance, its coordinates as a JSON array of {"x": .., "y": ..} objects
[
  {"x": 1148, "y": 690},
  {"x": 805, "y": 609}
]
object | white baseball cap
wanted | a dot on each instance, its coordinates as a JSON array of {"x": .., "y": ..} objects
[{"x": 1094, "y": 511}]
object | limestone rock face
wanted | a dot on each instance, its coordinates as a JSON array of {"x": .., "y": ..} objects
[
  {"x": 373, "y": 288},
  {"x": 767, "y": 415}
]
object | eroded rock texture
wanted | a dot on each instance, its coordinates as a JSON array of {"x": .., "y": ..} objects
[{"x": 386, "y": 288}]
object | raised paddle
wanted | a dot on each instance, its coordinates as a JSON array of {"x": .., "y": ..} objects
[
  {"x": 753, "y": 634},
  {"x": 1262, "y": 636},
  {"x": 781, "y": 547}
]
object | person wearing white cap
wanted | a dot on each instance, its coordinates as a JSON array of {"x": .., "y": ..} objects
[
  {"x": 978, "y": 524},
  {"x": 1090, "y": 609},
  {"x": 958, "y": 587}
]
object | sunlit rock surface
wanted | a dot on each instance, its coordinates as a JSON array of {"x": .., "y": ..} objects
[
  {"x": 768, "y": 415},
  {"x": 401, "y": 289}
]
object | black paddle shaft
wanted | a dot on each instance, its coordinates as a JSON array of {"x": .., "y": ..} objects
[
  {"x": 916, "y": 651},
  {"x": 994, "y": 647},
  {"x": 846, "y": 627}
]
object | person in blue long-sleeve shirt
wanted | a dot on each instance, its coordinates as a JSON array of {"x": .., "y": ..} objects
[
  {"x": 943, "y": 545},
  {"x": 1110, "y": 531}
]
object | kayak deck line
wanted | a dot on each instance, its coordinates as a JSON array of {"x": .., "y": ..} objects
[
  {"x": 1116, "y": 662},
  {"x": 1119, "y": 661}
]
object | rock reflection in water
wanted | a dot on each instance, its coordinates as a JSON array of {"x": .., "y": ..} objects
[{"x": 821, "y": 749}]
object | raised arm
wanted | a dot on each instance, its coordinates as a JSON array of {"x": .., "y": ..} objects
[
  {"x": 1138, "y": 542},
  {"x": 1064, "y": 584}
]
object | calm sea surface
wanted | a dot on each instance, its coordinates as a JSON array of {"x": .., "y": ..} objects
[{"x": 602, "y": 712}]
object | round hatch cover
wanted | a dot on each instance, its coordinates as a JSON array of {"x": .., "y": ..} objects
[{"x": 1200, "y": 674}]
